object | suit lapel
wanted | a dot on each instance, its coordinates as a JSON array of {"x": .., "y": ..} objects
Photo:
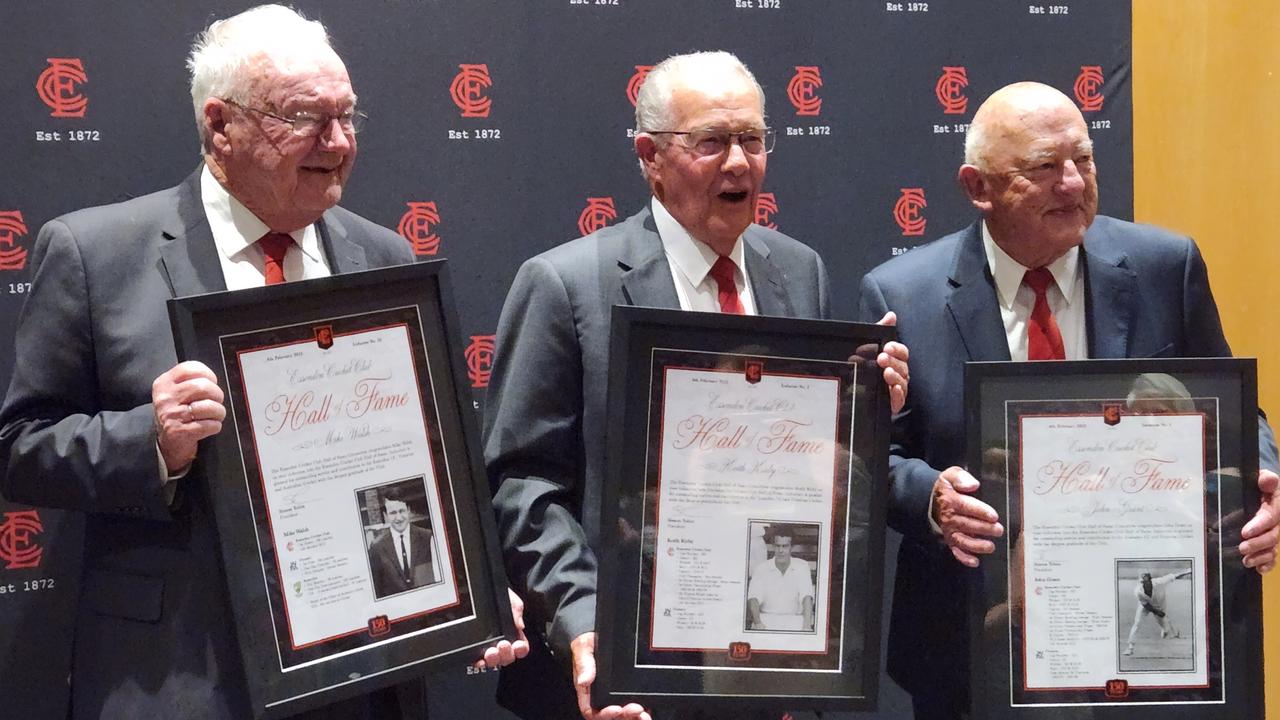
[
  {"x": 646, "y": 274},
  {"x": 188, "y": 257},
  {"x": 343, "y": 255},
  {"x": 972, "y": 303},
  {"x": 766, "y": 280},
  {"x": 1110, "y": 296}
]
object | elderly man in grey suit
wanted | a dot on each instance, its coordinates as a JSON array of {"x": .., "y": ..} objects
[
  {"x": 1105, "y": 289},
  {"x": 702, "y": 144},
  {"x": 101, "y": 417}
]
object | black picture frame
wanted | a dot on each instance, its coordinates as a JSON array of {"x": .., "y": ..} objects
[
  {"x": 1199, "y": 650},
  {"x": 412, "y": 302},
  {"x": 829, "y": 659}
]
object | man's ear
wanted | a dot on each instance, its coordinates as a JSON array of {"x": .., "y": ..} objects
[
  {"x": 215, "y": 125},
  {"x": 975, "y": 186},
  {"x": 646, "y": 150}
]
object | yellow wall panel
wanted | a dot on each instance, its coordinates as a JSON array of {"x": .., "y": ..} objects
[{"x": 1206, "y": 145}]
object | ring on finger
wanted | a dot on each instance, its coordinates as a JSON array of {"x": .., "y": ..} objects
[{"x": 191, "y": 415}]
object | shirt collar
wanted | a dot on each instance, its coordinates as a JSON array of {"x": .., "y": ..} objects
[
  {"x": 691, "y": 257},
  {"x": 235, "y": 227},
  {"x": 1008, "y": 272}
]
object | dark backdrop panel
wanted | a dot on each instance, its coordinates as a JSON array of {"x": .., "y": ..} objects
[{"x": 870, "y": 99}]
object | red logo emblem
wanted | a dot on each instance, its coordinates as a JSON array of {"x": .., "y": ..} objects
[
  {"x": 633, "y": 85},
  {"x": 740, "y": 651},
  {"x": 58, "y": 87},
  {"x": 12, "y": 255},
  {"x": 417, "y": 225},
  {"x": 17, "y": 547},
  {"x": 1111, "y": 413},
  {"x": 598, "y": 213},
  {"x": 1117, "y": 689},
  {"x": 950, "y": 90},
  {"x": 379, "y": 625},
  {"x": 468, "y": 89},
  {"x": 324, "y": 336},
  {"x": 479, "y": 356},
  {"x": 1087, "y": 84},
  {"x": 803, "y": 88},
  {"x": 754, "y": 371},
  {"x": 906, "y": 212},
  {"x": 766, "y": 206}
]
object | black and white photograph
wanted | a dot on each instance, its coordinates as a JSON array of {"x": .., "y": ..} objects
[
  {"x": 398, "y": 537},
  {"x": 1155, "y": 615},
  {"x": 782, "y": 574}
]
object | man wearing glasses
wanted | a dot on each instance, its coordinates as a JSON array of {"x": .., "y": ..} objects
[
  {"x": 702, "y": 143},
  {"x": 100, "y": 417}
]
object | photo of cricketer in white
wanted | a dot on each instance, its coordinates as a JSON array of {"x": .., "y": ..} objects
[
  {"x": 1151, "y": 595},
  {"x": 780, "y": 593}
]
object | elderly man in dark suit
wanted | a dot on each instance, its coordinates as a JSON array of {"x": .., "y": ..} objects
[
  {"x": 702, "y": 144},
  {"x": 1039, "y": 276},
  {"x": 100, "y": 417}
]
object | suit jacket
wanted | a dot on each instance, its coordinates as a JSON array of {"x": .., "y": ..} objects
[
  {"x": 153, "y": 634},
  {"x": 545, "y": 414},
  {"x": 1147, "y": 295},
  {"x": 388, "y": 573}
]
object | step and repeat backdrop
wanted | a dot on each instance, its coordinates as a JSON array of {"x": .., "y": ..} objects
[{"x": 499, "y": 128}]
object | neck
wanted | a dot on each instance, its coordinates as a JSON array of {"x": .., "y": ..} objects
[
  {"x": 1026, "y": 254},
  {"x": 280, "y": 222}
]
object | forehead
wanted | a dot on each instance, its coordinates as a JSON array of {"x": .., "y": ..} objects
[
  {"x": 1041, "y": 132},
  {"x": 393, "y": 505},
  {"x": 782, "y": 540},
  {"x": 313, "y": 80},
  {"x": 723, "y": 101}
]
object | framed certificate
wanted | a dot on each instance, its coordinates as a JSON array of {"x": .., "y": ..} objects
[
  {"x": 347, "y": 487},
  {"x": 747, "y": 460},
  {"x": 1122, "y": 485}
]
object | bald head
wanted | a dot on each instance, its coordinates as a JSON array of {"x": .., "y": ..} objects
[
  {"x": 1029, "y": 170},
  {"x": 1005, "y": 111}
]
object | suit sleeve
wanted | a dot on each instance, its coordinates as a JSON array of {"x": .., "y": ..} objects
[
  {"x": 1203, "y": 326},
  {"x": 911, "y": 479},
  {"x": 59, "y": 446},
  {"x": 533, "y": 450}
]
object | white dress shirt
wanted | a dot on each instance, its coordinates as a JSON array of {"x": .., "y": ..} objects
[
  {"x": 1016, "y": 301},
  {"x": 236, "y": 232},
  {"x": 691, "y": 260}
]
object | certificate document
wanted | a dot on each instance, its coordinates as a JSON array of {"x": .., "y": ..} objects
[
  {"x": 1113, "y": 558},
  {"x": 342, "y": 460},
  {"x": 747, "y": 476}
]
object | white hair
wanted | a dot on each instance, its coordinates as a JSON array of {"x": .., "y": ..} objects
[
  {"x": 653, "y": 102},
  {"x": 223, "y": 51},
  {"x": 975, "y": 145}
]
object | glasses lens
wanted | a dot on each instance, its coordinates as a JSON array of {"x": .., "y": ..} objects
[{"x": 708, "y": 142}]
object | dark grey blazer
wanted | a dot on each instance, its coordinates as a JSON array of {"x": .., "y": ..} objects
[
  {"x": 545, "y": 412},
  {"x": 1147, "y": 295},
  {"x": 153, "y": 634}
]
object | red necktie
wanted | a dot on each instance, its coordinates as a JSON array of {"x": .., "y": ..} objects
[
  {"x": 274, "y": 247},
  {"x": 722, "y": 272},
  {"x": 1044, "y": 341}
]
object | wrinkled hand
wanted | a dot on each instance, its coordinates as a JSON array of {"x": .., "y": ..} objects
[
  {"x": 894, "y": 361},
  {"x": 188, "y": 408},
  {"x": 584, "y": 673},
  {"x": 965, "y": 521},
  {"x": 507, "y": 652},
  {"x": 1260, "y": 534}
]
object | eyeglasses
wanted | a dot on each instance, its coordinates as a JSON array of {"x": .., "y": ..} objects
[
  {"x": 1053, "y": 169},
  {"x": 710, "y": 143},
  {"x": 308, "y": 125}
]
